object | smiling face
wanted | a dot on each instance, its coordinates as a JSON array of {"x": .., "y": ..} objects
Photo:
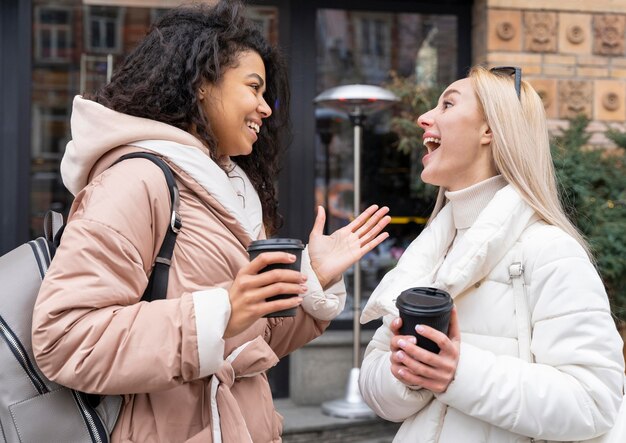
[
  {"x": 235, "y": 106},
  {"x": 457, "y": 140}
]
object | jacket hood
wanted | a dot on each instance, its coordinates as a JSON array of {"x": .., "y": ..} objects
[{"x": 98, "y": 130}]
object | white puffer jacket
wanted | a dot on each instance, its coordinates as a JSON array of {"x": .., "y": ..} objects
[{"x": 573, "y": 389}]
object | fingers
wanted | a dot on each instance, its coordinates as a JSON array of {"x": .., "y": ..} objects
[
  {"x": 275, "y": 275},
  {"x": 367, "y": 236},
  {"x": 438, "y": 337},
  {"x": 257, "y": 286},
  {"x": 403, "y": 374},
  {"x": 260, "y": 286},
  {"x": 355, "y": 224},
  {"x": 320, "y": 220},
  {"x": 278, "y": 305},
  {"x": 454, "y": 331},
  {"x": 278, "y": 288},
  {"x": 416, "y": 366},
  {"x": 265, "y": 259},
  {"x": 395, "y": 326},
  {"x": 373, "y": 243},
  {"x": 376, "y": 221}
]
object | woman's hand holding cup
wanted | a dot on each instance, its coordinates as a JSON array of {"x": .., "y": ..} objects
[
  {"x": 415, "y": 366},
  {"x": 251, "y": 289}
]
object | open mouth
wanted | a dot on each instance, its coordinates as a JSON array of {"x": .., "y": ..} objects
[
  {"x": 432, "y": 143},
  {"x": 254, "y": 126}
]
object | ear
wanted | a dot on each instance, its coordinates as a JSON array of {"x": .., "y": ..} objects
[
  {"x": 487, "y": 136},
  {"x": 202, "y": 93},
  {"x": 204, "y": 90}
]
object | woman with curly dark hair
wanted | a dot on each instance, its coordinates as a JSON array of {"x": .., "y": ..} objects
[{"x": 206, "y": 93}]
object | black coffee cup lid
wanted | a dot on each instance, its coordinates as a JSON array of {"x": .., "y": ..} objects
[
  {"x": 271, "y": 244},
  {"x": 424, "y": 301}
]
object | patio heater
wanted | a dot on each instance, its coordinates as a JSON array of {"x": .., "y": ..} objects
[{"x": 357, "y": 101}]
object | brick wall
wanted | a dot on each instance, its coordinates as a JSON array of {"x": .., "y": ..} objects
[{"x": 573, "y": 52}]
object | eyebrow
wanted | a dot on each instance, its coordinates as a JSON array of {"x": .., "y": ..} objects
[
  {"x": 258, "y": 77},
  {"x": 450, "y": 92}
]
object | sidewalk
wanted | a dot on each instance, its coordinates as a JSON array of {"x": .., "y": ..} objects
[{"x": 307, "y": 424}]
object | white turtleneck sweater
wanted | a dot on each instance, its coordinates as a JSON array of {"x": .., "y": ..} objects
[{"x": 468, "y": 203}]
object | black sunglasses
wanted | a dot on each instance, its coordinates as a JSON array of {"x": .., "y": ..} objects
[{"x": 508, "y": 71}]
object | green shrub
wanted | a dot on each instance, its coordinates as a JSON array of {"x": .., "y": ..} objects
[{"x": 592, "y": 183}]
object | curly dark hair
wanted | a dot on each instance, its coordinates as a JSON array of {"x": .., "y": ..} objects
[{"x": 191, "y": 45}]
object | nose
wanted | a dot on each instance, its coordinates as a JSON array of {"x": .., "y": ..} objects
[
  {"x": 264, "y": 109},
  {"x": 425, "y": 120}
]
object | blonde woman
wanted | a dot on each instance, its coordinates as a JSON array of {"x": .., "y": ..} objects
[{"x": 487, "y": 149}]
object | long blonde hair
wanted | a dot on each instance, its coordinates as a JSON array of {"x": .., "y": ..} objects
[{"x": 520, "y": 146}]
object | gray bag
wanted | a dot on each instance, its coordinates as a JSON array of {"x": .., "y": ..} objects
[{"x": 34, "y": 409}]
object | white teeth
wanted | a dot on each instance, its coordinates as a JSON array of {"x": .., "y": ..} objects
[
  {"x": 254, "y": 126},
  {"x": 432, "y": 142}
]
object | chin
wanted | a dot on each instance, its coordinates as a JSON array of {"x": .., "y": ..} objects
[
  {"x": 242, "y": 152},
  {"x": 427, "y": 179}
]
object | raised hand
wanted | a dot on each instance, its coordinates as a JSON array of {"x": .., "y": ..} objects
[
  {"x": 250, "y": 289},
  {"x": 415, "y": 366},
  {"x": 331, "y": 255}
]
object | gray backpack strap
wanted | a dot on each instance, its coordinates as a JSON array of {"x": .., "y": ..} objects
[
  {"x": 52, "y": 223},
  {"x": 522, "y": 309}
]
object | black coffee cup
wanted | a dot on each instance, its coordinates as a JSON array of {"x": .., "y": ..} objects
[
  {"x": 424, "y": 306},
  {"x": 290, "y": 245}
]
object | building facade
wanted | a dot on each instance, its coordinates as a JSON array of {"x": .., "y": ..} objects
[{"x": 51, "y": 50}]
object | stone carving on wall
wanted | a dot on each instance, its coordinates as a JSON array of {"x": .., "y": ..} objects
[
  {"x": 576, "y": 97},
  {"x": 611, "y": 101},
  {"x": 505, "y": 30},
  {"x": 541, "y": 31},
  {"x": 575, "y": 34},
  {"x": 609, "y": 34}
]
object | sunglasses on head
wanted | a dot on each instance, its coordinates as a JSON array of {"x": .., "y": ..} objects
[{"x": 509, "y": 71}]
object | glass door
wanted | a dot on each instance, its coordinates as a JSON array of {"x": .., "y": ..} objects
[{"x": 402, "y": 52}]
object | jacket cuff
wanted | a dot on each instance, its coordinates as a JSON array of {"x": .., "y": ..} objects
[
  {"x": 212, "y": 309},
  {"x": 462, "y": 385},
  {"x": 320, "y": 304}
]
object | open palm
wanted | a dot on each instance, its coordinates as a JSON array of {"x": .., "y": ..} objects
[{"x": 331, "y": 255}]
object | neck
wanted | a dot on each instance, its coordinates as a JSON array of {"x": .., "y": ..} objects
[{"x": 468, "y": 203}]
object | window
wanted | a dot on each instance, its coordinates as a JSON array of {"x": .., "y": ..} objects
[
  {"x": 53, "y": 31},
  {"x": 373, "y": 42},
  {"x": 103, "y": 27}
]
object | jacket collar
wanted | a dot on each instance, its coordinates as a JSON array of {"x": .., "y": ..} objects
[
  {"x": 492, "y": 235},
  {"x": 213, "y": 180}
]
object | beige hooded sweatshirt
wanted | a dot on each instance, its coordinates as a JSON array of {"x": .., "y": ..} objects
[{"x": 180, "y": 379}]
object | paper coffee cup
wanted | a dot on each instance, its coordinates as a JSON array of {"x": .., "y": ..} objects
[
  {"x": 290, "y": 245},
  {"x": 424, "y": 306}
]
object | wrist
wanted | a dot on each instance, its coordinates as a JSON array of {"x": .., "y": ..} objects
[{"x": 324, "y": 280}]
